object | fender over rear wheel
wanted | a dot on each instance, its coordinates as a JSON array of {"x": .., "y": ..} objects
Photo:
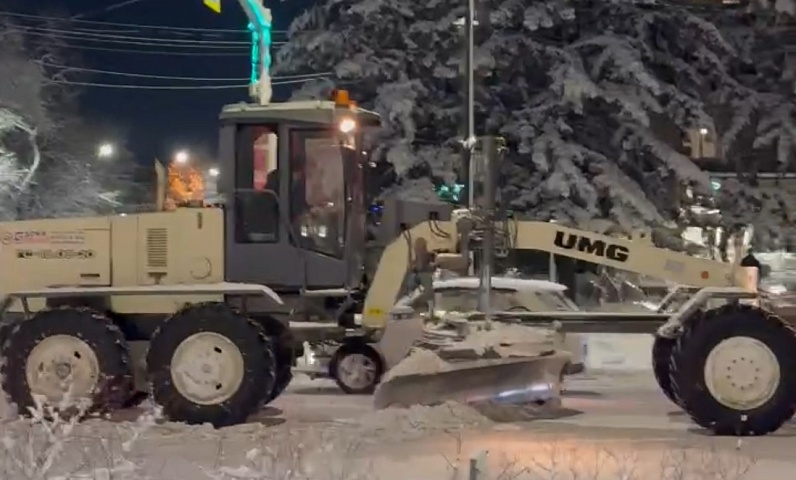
[
  {"x": 71, "y": 359},
  {"x": 732, "y": 370},
  {"x": 357, "y": 368},
  {"x": 209, "y": 364},
  {"x": 661, "y": 354}
]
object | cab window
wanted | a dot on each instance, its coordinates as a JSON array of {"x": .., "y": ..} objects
[{"x": 256, "y": 185}]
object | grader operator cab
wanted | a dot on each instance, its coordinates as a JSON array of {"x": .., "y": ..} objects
[{"x": 198, "y": 297}]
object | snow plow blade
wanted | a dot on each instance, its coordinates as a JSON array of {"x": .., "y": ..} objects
[{"x": 510, "y": 380}]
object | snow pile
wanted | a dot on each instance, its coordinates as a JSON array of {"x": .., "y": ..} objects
[
  {"x": 420, "y": 361},
  {"x": 403, "y": 424},
  {"x": 515, "y": 340}
]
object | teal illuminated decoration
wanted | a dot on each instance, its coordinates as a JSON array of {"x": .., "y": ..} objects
[
  {"x": 261, "y": 42},
  {"x": 450, "y": 193}
]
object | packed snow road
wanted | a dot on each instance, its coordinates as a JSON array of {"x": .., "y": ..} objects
[{"x": 611, "y": 426}]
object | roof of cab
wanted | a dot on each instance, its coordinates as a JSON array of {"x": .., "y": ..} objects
[{"x": 320, "y": 111}]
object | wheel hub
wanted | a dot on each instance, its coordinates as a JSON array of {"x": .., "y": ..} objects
[
  {"x": 62, "y": 368},
  {"x": 358, "y": 371},
  {"x": 207, "y": 368},
  {"x": 742, "y": 373}
]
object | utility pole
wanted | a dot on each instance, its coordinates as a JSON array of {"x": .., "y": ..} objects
[
  {"x": 491, "y": 148},
  {"x": 469, "y": 141},
  {"x": 468, "y": 82}
]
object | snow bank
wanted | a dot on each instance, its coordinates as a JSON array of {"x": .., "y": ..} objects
[
  {"x": 419, "y": 361},
  {"x": 403, "y": 424}
]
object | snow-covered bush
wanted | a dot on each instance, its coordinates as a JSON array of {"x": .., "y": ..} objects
[{"x": 50, "y": 445}]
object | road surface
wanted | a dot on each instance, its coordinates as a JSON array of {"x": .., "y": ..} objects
[{"x": 616, "y": 420}]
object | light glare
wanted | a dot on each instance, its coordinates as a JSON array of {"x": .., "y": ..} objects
[
  {"x": 181, "y": 157},
  {"x": 105, "y": 150},
  {"x": 348, "y": 125}
]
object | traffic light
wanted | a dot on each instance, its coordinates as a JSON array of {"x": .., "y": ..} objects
[{"x": 450, "y": 193}]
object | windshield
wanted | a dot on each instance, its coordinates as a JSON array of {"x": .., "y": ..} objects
[{"x": 318, "y": 191}]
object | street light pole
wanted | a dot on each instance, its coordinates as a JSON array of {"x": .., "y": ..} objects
[{"x": 469, "y": 101}]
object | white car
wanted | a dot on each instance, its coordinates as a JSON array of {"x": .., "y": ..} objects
[{"x": 508, "y": 295}]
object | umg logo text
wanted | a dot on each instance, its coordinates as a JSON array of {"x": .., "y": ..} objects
[{"x": 598, "y": 248}]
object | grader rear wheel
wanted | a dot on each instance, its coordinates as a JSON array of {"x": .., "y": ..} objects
[
  {"x": 73, "y": 360},
  {"x": 732, "y": 370},
  {"x": 210, "y": 364}
]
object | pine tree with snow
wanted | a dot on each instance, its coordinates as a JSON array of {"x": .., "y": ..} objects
[{"x": 594, "y": 98}]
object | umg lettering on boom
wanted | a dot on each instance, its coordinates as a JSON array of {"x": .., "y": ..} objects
[{"x": 598, "y": 248}]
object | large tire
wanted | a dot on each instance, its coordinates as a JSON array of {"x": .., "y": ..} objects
[
  {"x": 754, "y": 342},
  {"x": 282, "y": 379},
  {"x": 361, "y": 355},
  {"x": 231, "y": 363},
  {"x": 40, "y": 353},
  {"x": 282, "y": 344},
  {"x": 661, "y": 353}
]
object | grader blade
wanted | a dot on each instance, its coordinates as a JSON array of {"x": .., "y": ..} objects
[{"x": 510, "y": 380}]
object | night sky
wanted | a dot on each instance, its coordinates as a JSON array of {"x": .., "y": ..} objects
[{"x": 159, "y": 122}]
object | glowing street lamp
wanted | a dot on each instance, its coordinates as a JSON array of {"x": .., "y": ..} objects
[
  {"x": 106, "y": 150},
  {"x": 181, "y": 157}
]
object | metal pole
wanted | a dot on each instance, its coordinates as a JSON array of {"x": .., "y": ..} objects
[
  {"x": 469, "y": 139},
  {"x": 469, "y": 142},
  {"x": 490, "y": 156}
]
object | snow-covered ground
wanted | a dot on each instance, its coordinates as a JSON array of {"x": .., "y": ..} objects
[{"x": 616, "y": 419}]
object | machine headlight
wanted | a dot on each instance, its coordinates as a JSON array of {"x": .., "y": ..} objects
[{"x": 347, "y": 125}]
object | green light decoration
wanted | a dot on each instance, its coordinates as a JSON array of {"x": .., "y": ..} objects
[
  {"x": 450, "y": 193},
  {"x": 261, "y": 42}
]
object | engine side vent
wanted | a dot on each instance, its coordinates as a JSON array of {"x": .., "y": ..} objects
[{"x": 157, "y": 247}]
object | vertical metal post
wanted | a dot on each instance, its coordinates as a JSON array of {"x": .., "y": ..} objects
[
  {"x": 469, "y": 109},
  {"x": 490, "y": 147}
]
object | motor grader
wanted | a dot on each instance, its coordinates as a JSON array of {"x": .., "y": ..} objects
[{"x": 191, "y": 305}]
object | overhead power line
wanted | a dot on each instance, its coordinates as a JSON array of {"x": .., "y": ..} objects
[
  {"x": 105, "y": 9},
  {"x": 115, "y": 36},
  {"x": 44, "y": 18},
  {"x": 164, "y": 52},
  {"x": 178, "y": 87},
  {"x": 209, "y": 44},
  {"x": 68, "y": 69}
]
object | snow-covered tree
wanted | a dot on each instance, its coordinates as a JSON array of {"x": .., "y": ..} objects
[
  {"x": 47, "y": 161},
  {"x": 593, "y": 96}
]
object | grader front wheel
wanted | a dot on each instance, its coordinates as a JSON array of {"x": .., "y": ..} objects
[
  {"x": 661, "y": 353},
  {"x": 732, "y": 371}
]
